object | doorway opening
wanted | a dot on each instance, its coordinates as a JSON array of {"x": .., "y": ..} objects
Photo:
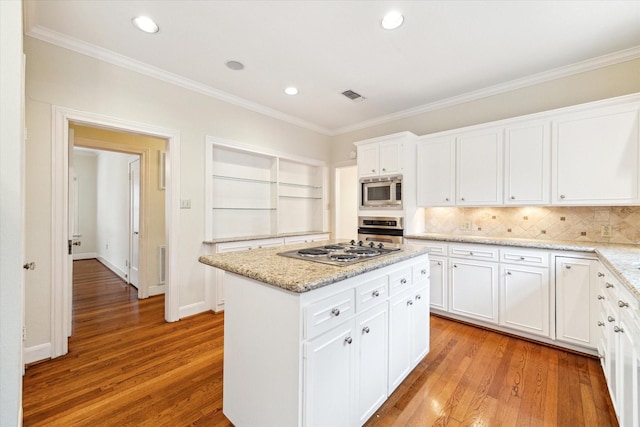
[{"x": 61, "y": 297}]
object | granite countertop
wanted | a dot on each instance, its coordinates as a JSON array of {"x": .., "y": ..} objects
[
  {"x": 263, "y": 236},
  {"x": 622, "y": 260},
  {"x": 265, "y": 265}
]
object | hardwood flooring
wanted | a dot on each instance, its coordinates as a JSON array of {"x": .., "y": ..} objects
[{"x": 127, "y": 367}]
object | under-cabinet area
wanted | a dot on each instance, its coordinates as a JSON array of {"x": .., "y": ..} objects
[
  {"x": 559, "y": 296},
  {"x": 253, "y": 193}
]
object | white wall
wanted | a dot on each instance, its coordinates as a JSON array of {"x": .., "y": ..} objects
[
  {"x": 346, "y": 203},
  {"x": 11, "y": 256},
  {"x": 85, "y": 168},
  {"x": 112, "y": 202},
  {"x": 56, "y": 76}
]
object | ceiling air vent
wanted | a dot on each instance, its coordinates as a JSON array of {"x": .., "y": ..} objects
[{"x": 356, "y": 97}]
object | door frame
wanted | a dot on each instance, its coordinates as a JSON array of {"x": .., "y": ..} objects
[{"x": 60, "y": 273}]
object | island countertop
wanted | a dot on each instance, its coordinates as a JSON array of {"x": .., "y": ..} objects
[{"x": 265, "y": 265}]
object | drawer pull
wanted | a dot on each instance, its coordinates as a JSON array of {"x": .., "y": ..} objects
[
  {"x": 410, "y": 302},
  {"x": 600, "y": 274},
  {"x": 600, "y": 323},
  {"x": 365, "y": 330},
  {"x": 418, "y": 297},
  {"x": 521, "y": 258},
  {"x": 335, "y": 312},
  {"x": 600, "y": 297},
  {"x": 611, "y": 319},
  {"x": 508, "y": 273},
  {"x": 403, "y": 281},
  {"x": 608, "y": 285},
  {"x": 568, "y": 267},
  {"x": 623, "y": 304},
  {"x": 375, "y": 294},
  {"x": 348, "y": 340},
  {"x": 439, "y": 263},
  {"x": 618, "y": 329},
  {"x": 423, "y": 271},
  {"x": 471, "y": 253}
]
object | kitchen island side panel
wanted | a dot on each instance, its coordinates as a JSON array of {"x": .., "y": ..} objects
[{"x": 262, "y": 354}]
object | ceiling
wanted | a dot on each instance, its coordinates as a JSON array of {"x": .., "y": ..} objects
[{"x": 446, "y": 51}]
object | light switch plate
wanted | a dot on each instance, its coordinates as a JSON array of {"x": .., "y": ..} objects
[{"x": 185, "y": 204}]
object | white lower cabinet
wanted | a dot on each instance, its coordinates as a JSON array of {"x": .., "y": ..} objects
[
  {"x": 575, "y": 303},
  {"x": 524, "y": 302},
  {"x": 474, "y": 289},
  {"x": 372, "y": 335},
  {"x": 329, "y": 377},
  {"x": 438, "y": 282}
]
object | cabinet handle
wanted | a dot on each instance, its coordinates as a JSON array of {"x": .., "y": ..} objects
[
  {"x": 608, "y": 285},
  {"x": 513, "y": 197},
  {"x": 365, "y": 330},
  {"x": 611, "y": 319},
  {"x": 29, "y": 266},
  {"x": 384, "y": 169},
  {"x": 470, "y": 253},
  {"x": 418, "y": 297},
  {"x": 335, "y": 312},
  {"x": 600, "y": 297},
  {"x": 348, "y": 340},
  {"x": 568, "y": 267},
  {"x": 373, "y": 170},
  {"x": 600, "y": 323},
  {"x": 508, "y": 273},
  {"x": 423, "y": 271},
  {"x": 375, "y": 294},
  {"x": 403, "y": 281},
  {"x": 600, "y": 274},
  {"x": 446, "y": 199},
  {"x": 455, "y": 265},
  {"x": 439, "y": 263},
  {"x": 562, "y": 196},
  {"x": 622, "y": 304},
  {"x": 521, "y": 258},
  {"x": 618, "y": 329},
  {"x": 410, "y": 302}
]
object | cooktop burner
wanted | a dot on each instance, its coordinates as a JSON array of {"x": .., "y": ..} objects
[{"x": 341, "y": 254}]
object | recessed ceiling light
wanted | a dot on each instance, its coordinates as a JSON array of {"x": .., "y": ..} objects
[
  {"x": 392, "y": 20},
  {"x": 291, "y": 91},
  {"x": 235, "y": 65},
  {"x": 146, "y": 24}
]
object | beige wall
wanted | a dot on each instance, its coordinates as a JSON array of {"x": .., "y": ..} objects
[
  {"x": 57, "y": 76},
  {"x": 606, "y": 82}
]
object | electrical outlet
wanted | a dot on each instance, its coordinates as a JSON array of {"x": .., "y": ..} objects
[
  {"x": 24, "y": 333},
  {"x": 465, "y": 226},
  {"x": 605, "y": 230}
]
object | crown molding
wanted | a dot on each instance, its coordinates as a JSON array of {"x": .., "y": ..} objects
[
  {"x": 578, "y": 67},
  {"x": 122, "y": 61}
]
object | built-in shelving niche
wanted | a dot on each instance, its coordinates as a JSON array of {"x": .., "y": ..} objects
[{"x": 252, "y": 193}]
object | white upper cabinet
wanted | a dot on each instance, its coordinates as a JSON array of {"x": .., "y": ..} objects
[
  {"x": 527, "y": 158},
  {"x": 368, "y": 160},
  {"x": 391, "y": 157},
  {"x": 596, "y": 157},
  {"x": 436, "y": 171},
  {"x": 479, "y": 168}
]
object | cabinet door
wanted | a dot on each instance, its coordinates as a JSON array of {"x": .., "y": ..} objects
[
  {"x": 420, "y": 325},
  {"x": 627, "y": 395},
  {"x": 330, "y": 387},
  {"x": 399, "y": 339},
  {"x": 473, "y": 289},
  {"x": 368, "y": 160},
  {"x": 479, "y": 168},
  {"x": 390, "y": 157},
  {"x": 372, "y": 357},
  {"x": 524, "y": 298},
  {"x": 436, "y": 172},
  {"x": 596, "y": 157},
  {"x": 438, "y": 283},
  {"x": 527, "y": 154},
  {"x": 575, "y": 302}
]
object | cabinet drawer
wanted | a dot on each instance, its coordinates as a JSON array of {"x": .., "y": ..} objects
[
  {"x": 370, "y": 293},
  {"x": 323, "y": 315},
  {"x": 400, "y": 280},
  {"x": 484, "y": 253},
  {"x": 525, "y": 257},
  {"x": 420, "y": 273},
  {"x": 435, "y": 248}
]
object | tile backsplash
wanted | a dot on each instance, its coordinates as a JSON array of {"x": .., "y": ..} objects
[{"x": 585, "y": 224}]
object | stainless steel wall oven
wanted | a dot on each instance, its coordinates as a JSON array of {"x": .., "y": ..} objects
[{"x": 380, "y": 229}]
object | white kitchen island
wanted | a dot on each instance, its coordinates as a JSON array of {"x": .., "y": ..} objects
[{"x": 309, "y": 344}]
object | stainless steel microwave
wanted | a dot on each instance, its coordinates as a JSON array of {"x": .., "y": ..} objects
[{"x": 384, "y": 192}]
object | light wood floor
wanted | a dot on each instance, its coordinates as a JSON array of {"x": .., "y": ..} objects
[{"x": 127, "y": 367}]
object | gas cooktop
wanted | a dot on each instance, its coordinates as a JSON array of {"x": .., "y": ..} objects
[{"x": 341, "y": 254}]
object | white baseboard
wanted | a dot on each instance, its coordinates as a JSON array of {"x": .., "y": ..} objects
[
  {"x": 113, "y": 268},
  {"x": 85, "y": 255},
  {"x": 191, "y": 309},
  {"x": 156, "y": 290},
  {"x": 36, "y": 353}
]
